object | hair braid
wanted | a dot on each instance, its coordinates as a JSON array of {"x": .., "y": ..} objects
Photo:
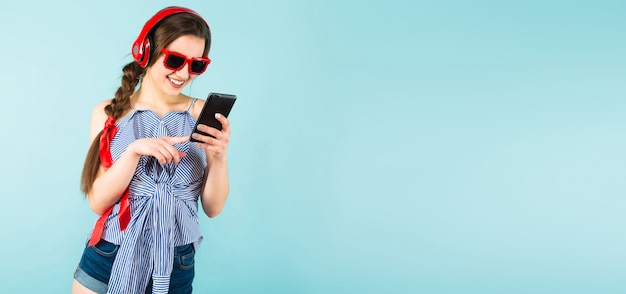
[{"x": 130, "y": 79}]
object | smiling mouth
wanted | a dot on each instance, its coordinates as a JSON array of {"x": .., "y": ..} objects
[{"x": 176, "y": 82}]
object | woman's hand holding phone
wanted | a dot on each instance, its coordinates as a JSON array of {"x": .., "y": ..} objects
[
  {"x": 214, "y": 141},
  {"x": 212, "y": 129}
]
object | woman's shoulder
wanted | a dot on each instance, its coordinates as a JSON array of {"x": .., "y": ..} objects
[
  {"x": 98, "y": 114},
  {"x": 99, "y": 108},
  {"x": 196, "y": 108},
  {"x": 98, "y": 117}
]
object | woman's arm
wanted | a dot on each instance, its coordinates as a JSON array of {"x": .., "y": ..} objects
[
  {"x": 216, "y": 185},
  {"x": 107, "y": 190}
]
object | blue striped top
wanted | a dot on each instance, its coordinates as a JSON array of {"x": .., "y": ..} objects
[{"x": 163, "y": 203}]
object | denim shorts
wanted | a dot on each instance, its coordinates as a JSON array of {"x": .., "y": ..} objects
[{"x": 94, "y": 268}]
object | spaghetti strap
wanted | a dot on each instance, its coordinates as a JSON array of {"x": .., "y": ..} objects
[{"x": 192, "y": 102}]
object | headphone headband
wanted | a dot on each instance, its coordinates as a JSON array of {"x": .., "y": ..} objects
[{"x": 141, "y": 47}]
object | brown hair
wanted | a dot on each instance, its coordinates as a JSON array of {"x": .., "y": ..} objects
[{"x": 165, "y": 32}]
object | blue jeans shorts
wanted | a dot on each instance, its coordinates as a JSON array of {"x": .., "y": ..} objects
[{"x": 94, "y": 268}]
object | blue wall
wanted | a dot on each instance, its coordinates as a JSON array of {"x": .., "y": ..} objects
[{"x": 378, "y": 146}]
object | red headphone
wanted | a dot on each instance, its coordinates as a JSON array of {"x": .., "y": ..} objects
[{"x": 142, "y": 48}]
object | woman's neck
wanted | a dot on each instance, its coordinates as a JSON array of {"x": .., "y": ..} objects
[{"x": 148, "y": 98}]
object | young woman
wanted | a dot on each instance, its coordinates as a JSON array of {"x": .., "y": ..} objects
[{"x": 143, "y": 176}]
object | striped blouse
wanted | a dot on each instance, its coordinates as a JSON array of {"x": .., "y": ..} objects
[{"x": 163, "y": 203}]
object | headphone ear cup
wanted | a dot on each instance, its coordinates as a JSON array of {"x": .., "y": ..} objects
[
  {"x": 141, "y": 52},
  {"x": 147, "y": 51},
  {"x": 138, "y": 50}
]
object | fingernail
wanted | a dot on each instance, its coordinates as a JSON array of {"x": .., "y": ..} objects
[
  {"x": 217, "y": 115},
  {"x": 200, "y": 128},
  {"x": 195, "y": 136}
]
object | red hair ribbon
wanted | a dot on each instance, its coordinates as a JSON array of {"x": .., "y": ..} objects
[{"x": 108, "y": 133}]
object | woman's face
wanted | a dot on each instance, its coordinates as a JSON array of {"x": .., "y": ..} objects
[{"x": 169, "y": 81}]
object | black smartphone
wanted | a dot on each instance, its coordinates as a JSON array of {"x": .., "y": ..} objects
[{"x": 215, "y": 103}]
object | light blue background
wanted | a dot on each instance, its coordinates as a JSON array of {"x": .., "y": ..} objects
[{"x": 378, "y": 146}]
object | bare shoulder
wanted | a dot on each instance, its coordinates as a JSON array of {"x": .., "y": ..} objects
[
  {"x": 100, "y": 107},
  {"x": 197, "y": 108},
  {"x": 98, "y": 117}
]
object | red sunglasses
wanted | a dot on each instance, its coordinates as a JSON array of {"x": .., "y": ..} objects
[{"x": 176, "y": 61}]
